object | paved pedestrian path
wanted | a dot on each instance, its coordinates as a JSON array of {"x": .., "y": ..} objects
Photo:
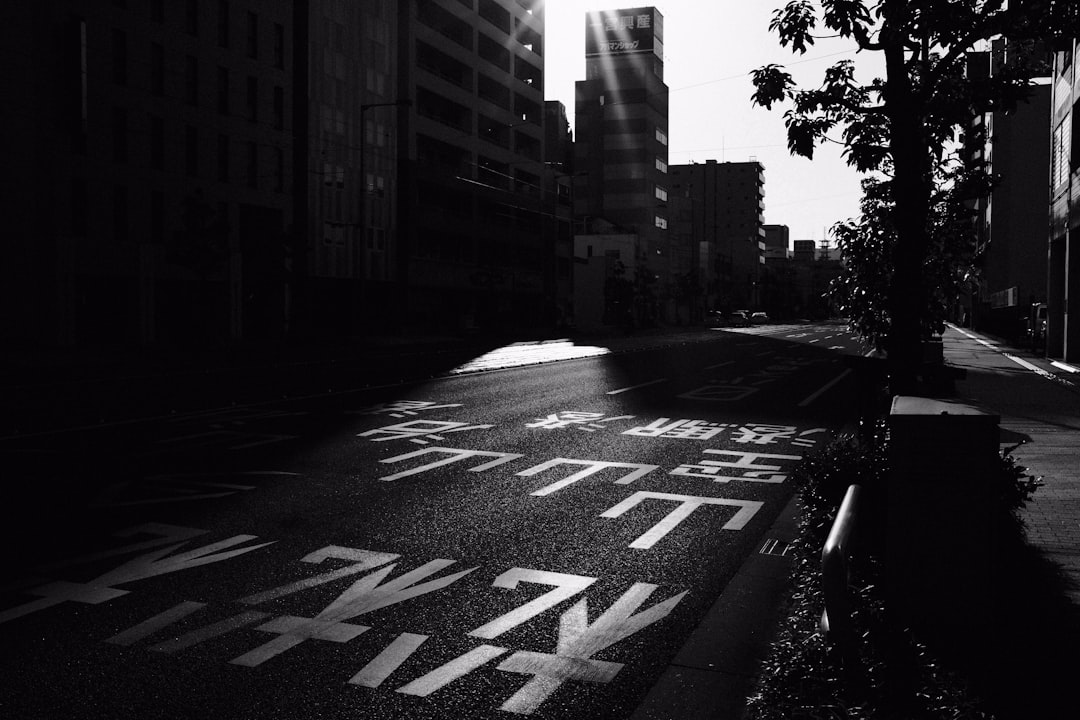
[{"x": 1039, "y": 404}]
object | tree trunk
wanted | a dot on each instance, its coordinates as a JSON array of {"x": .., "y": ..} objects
[{"x": 911, "y": 196}]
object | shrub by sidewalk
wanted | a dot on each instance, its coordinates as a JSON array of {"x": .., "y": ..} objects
[{"x": 896, "y": 672}]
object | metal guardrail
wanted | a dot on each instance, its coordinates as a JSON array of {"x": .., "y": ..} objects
[{"x": 836, "y": 623}]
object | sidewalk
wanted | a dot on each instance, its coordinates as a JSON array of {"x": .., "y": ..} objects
[
  {"x": 1025, "y": 661},
  {"x": 1039, "y": 405}
]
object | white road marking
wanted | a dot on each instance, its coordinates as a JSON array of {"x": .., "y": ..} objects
[
  {"x": 578, "y": 642},
  {"x": 456, "y": 455},
  {"x": 155, "y": 624},
  {"x": 720, "y": 364},
  {"x": 365, "y": 595},
  {"x": 210, "y": 632},
  {"x": 591, "y": 467},
  {"x": 635, "y": 387},
  {"x": 566, "y": 586},
  {"x": 152, "y": 564},
  {"x": 823, "y": 389},
  {"x": 687, "y": 505},
  {"x": 451, "y": 671},
  {"x": 1065, "y": 367},
  {"x": 361, "y": 560},
  {"x": 389, "y": 660}
]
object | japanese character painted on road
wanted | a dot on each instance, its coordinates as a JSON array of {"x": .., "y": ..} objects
[
  {"x": 420, "y": 432},
  {"x": 401, "y": 408},
  {"x": 745, "y": 467},
  {"x": 586, "y": 421},
  {"x": 682, "y": 429},
  {"x": 728, "y": 392}
]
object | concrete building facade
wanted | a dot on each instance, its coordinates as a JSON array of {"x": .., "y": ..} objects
[
  {"x": 347, "y": 266},
  {"x": 621, "y": 147},
  {"x": 151, "y": 184},
  {"x": 1063, "y": 259},
  {"x": 1011, "y": 237},
  {"x": 473, "y": 247},
  {"x": 728, "y": 225}
]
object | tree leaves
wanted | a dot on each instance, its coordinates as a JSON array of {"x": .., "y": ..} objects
[{"x": 772, "y": 85}]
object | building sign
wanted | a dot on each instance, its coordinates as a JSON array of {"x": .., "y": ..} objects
[
  {"x": 619, "y": 32},
  {"x": 1004, "y": 298}
]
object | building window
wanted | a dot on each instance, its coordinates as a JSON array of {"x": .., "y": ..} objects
[
  {"x": 191, "y": 80},
  {"x": 191, "y": 151},
  {"x": 279, "y": 170},
  {"x": 119, "y": 57},
  {"x": 661, "y": 164},
  {"x": 1074, "y": 152},
  {"x": 253, "y": 98},
  {"x": 120, "y": 134},
  {"x": 223, "y": 90},
  {"x": 157, "y": 69},
  {"x": 661, "y": 193},
  {"x": 223, "y": 24},
  {"x": 157, "y": 143},
  {"x": 252, "y": 35},
  {"x": 1060, "y": 153},
  {"x": 157, "y": 216},
  {"x": 80, "y": 206},
  {"x": 279, "y": 46},
  {"x": 223, "y": 158},
  {"x": 279, "y": 108},
  {"x": 661, "y": 136},
  {"x": 661, "y": 222},
  {"x": 191, "y": 18},
  {"x": 252, "y": 164},
  {"x": 120, "y": 214}
]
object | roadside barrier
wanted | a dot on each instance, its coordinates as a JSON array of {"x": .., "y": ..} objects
[{"x": 836, "y": 624}]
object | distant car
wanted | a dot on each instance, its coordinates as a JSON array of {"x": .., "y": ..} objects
[
  {"x": 759, "y": 318},
  {"x": 1036, "y": 326},
  {"x": 739, "y": 318},
  {"x": 716, "y": 319}
]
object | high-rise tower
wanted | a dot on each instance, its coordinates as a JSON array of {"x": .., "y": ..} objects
[{"x": 621, "y": 143}]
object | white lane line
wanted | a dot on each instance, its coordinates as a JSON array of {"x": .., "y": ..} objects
[
  {"x": 1063, "y": 366},
  {"x": 635, "y": 387},
  {"x": 1028, "y": 366},
  {"x": 823, "y": 389},
  {"x": 720, "y": 364},
  {"x": 1019, "y": 361}
]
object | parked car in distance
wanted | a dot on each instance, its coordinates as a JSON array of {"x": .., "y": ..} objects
[
  {"x": 1036, "y": 326},
  {"x": 759, "y": 318},
  {"x": 716, "y": 319},
  {"x": 739, "y": 318}
]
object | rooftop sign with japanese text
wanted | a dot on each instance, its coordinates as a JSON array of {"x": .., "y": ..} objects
[{"x": 619, "y": 32}]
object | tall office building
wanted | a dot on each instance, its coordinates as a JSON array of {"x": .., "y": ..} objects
[
  {"x": 621, "y": 146},
  {"x": 1011, "y": 220},
  {"x": 727, "y": 211},
  {"x": 149, "y": 173},
  {"x": 1063, "y": 280},
  {"x": 473, "y": 245},
  {"x": 347, "y": 267}
]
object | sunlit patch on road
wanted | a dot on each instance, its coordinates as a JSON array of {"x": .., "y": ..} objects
[{"x": 529, "y": 353}]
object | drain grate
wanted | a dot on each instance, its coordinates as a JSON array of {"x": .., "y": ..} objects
[{"x": 772, "y": 546}]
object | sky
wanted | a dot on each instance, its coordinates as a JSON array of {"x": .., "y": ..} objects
[{"x": 710, "y": 47}]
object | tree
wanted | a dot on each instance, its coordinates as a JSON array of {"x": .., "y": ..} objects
[{"x": 898, "y": 127}]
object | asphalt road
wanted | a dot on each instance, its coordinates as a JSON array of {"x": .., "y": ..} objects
[{"x": 538, "y": 539}]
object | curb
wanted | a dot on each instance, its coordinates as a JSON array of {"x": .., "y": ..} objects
[{"x": 716, "y": 669}]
